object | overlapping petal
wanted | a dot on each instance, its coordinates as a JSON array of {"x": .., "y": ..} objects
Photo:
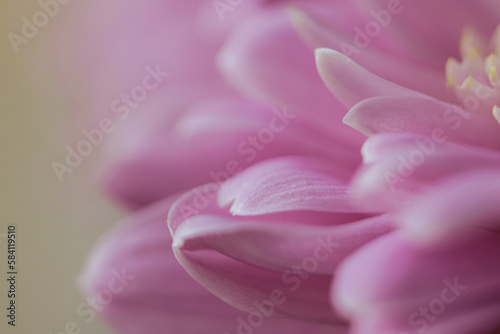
[
  {"x": 378, "y": 105},
  {"x": 395, "y": 286},
  {"x": 273, "y": 239},
  {"x": 321, "y": 31},
  {"x": 138, "y": 286},
  {"x": 266, "y": 61},
  {"x": 427, "y": 31},
  {"x": 350, "y": 82},
  {"x": 421, "y": 115},
  {"x": 211, "y": 142},
  {"x": 293, "y": 248},
  {"x": 287, "y": 184},
  {"x": 454, "y": 206},
  {"x": 399, "y": 166}
]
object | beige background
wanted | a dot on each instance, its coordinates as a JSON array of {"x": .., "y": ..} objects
[{"x": 57, "y": 222}]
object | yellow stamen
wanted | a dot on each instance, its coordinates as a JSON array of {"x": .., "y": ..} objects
[
  {"x": 467, "y": 84},
  {"x": 491, "y": 60},
  {"x": 493, "y": 76},
  {"x": 451, "y": 81},
  {"x": 477, "y": 68},
  {"x": 452, "y": 65}
]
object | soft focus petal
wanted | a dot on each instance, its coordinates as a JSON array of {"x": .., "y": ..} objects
[
  {"x": 134, "y": 36},
  {"x": 428, "y": 31},
  {"x": 454, "y": 206},
  {"x": 265, "y": 60},
  {"x": 393, "y": 286},
  {"x": 212, "y": 141},
  {"x": 323, "y": 32}
]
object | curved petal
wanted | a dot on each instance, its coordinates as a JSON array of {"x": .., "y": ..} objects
[
  {"x": 399, "y": 166},
  {"x": 287, "y": 184},
  {"x": 245, "y": 287},
  {"x": 422, "y": 115},
  {"x": 211, "y": 142},
  {"x": 280, "y": 246},
  {"x": 350, "y": 82},
  {"x": 243, "y": 258},
  {"x": 429, "y": 31},
  {"x": 137, "y": 285},
  {"x": 454, "y": 206},
  {"x": 393, "y": 286},
  {"x": 318, "y": 32},
  {"x": 265, "y": 60},
  {"x": 134, "y": 36}
]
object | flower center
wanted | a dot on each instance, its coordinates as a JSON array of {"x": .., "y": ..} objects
[{"x": 476, "y": 79}]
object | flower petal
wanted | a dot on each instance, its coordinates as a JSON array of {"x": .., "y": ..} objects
[
  {"x": 454, "y": 206},
  {"x": 245, "y": 287},
  {"x": 277, "y": 245},
  {"x": 287, "y": 184},
  {"x": 243, "y": 258},
  {"x": 397, "y": 167},
  {"x": 422, "y": 115},
  {"x": 265, "y": 60},
  {"x": 213, "y": 141},
  {"x": 432, "y": 40},
  {"x": 139, "y": 287},
  {"x": 321, "y": 32},
  {"x": 351, "y": 83},
  {"x": 393, "y": 286}
]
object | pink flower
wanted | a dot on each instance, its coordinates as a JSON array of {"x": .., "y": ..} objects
[{"x": 288, "y": 237}]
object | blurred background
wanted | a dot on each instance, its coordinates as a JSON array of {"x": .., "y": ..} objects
[{"x": 57, "y": 223}]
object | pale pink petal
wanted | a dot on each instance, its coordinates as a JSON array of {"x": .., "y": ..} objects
[
  {"x": 279, "y": 245},
  {"x": 392, "y": 286},
  {"x": 242, "y": 258},
  {"x": 291, "y": 183},
  {"x": 429, "y": 31},
  {"x": 134, "y": 36},
  {"x": 265, "y": 60},
  {"x": 150, "y": 158},
  {"x": 202, "y": 200},
  {"x": 351, "y": 83},
  {"x": 399, "y": 166},
  {"x": 454, "y": 206},
  {"x": 323, "y": 32},
  {"x": 157, "y": 295},
  {"x": 422, "y": 115},
  {"x": 244, "y": 286}
]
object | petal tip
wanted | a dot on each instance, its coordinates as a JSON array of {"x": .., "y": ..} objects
[{"x": 326, "y": 54}]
